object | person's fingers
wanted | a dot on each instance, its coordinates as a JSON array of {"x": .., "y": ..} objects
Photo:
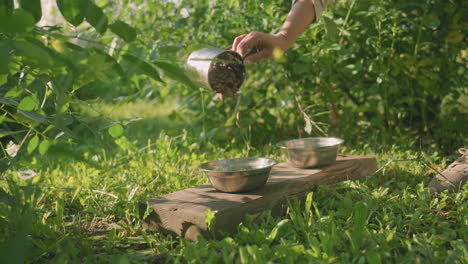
[
  {"x": 263, "y": 54},
  {"x": 237, "y": 41},
  {"x": 249, "y": 41},
  {"x": 242, "y": 44}
]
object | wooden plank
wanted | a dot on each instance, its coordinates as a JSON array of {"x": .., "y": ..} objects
[{"x": 183, "y": 213}]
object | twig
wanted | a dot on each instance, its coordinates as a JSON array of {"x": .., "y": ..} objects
[
  {"x": 424, "y": 163},
  {"x": 391, "y": 161},
  {"x": 313, "y": 123},
  {"x": 25, "y": 137},
  {"x": 83, "y": 189}
]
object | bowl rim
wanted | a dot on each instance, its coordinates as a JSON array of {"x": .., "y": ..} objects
[
  {"x": 279, "y": 144},
  {"x": 273, "y": 163}
]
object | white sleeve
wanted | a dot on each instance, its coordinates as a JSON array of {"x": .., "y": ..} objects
[{"x": 320, "y": 6}]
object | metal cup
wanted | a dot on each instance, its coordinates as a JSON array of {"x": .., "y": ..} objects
[{"x": 199, "y": 64}]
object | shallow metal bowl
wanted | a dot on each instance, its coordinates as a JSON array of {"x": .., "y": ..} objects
[
  {"x": 238, "y": 175},
  {"x": 310, "y": 152}
]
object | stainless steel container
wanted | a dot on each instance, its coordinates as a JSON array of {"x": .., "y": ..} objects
[
  {"x": 310, "y": 152},
  {"x": 238, "y": 175},
  {"x": 199, "y": 64}
]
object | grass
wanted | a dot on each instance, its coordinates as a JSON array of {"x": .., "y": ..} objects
[{"x": 83, "y": 207}]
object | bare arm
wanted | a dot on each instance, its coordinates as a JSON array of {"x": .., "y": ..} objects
[{"x": 302, "y": 14}]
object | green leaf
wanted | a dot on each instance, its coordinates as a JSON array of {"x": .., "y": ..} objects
[
  {"x": 454, "y": 37},
  {"x": 99, "y": 61},
  {"x": 61, "y": 121},
  {"x": 210, "y": 219},
  {"x": 123, "y": 30},
  {"x": 33, "y": 7},
  {"x": 173, "y": 72},
  {"x": 142, "y": 67},
  {"x": 34, "y": 54},
  {"x": 44, "y": 146},
  {"x": 5, "y": 49},
  {"x": 115, "y": 65},
  {"x": 4, "y": 118},
  {"x": 7, "y": 4},
  {"x": 431, "y": 22},
  {"x": 4, "y": 133},
  {"x": 19, "y": 21},
  {"x": 96, "y": 17},
  {"x": 103, "y": 126},
  {"x": 72, "y": 10},
  {"x": 75, "y": 47},
  {"x": 33, "y": 115},
  {"x": 28, "y": 103},
  {"x": 274, "y": 232},
  {"x": 33, "y": 143},
  {"x": 4, "y": 69},
  {"x": 8, "y": 101},
  {"x": 7, "y": 198},
  {"x": 331, "y": 28},
  {"x": 115, "y": 130},
  {"x": 373, "y": 257}
]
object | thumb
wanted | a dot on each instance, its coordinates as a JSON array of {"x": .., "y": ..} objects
[{"x": 263, "y": 54}]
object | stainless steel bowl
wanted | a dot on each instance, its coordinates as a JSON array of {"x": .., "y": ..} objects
[
  {"x": 238, "y": 175},
  {"x": 310, "y": 152}
]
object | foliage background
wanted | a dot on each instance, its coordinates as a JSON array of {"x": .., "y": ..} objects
[{"x": 391, "y": 70}]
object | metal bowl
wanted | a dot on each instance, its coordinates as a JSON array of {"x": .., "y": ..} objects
[
  {"x": 310, "y": 152},
  {"x": 238, "y": 175}
]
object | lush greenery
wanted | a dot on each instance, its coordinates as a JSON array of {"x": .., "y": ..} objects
[{"x": 97, "y": 115}]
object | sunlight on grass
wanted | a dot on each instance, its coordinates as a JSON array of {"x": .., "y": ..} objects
[{"x": 138, "y": 109}]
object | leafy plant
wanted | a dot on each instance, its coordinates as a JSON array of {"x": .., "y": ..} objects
[
  {"x": 47, "y": 72},
  {"x": 387, "y": 66},
  {"x": 366, "y": 69}
]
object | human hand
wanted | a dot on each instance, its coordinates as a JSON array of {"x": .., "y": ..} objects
[{"x": 263, "y": 43}]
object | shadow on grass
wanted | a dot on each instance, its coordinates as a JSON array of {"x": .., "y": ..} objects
[{"x": 150, "y": 128}]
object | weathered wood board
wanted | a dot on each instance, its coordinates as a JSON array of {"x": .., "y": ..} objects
[{"x": 183, "y": 212}]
